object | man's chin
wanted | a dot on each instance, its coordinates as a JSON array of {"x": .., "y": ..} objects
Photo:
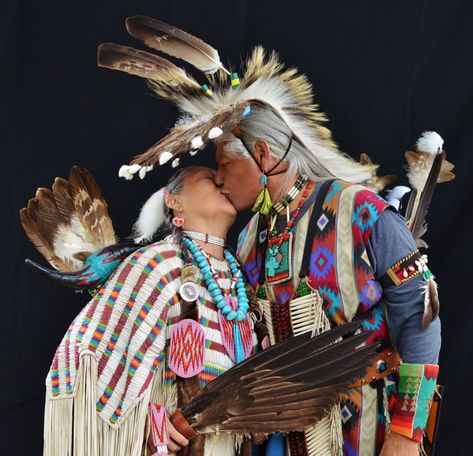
[{"x": 239, "y": 205}]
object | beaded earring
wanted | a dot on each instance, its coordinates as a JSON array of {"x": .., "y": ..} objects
[
  {"x": 178, "y": 221},
  {"x": 263, "y": 203}
]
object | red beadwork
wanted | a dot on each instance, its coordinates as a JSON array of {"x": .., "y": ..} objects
[{"x": 290, "y": 223}]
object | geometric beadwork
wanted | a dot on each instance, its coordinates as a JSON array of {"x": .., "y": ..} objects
[{"x": 186, "y": 349}]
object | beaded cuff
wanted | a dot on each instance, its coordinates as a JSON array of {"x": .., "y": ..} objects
[{"x": 416, "y": 388}]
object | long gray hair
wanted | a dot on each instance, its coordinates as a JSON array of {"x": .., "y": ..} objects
[
  {"x": 311, "y": 157},
  {"x": 155, "y": 216}
]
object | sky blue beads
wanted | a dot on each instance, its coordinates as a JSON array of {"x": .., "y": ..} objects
[{"x": 213, "y": 287}]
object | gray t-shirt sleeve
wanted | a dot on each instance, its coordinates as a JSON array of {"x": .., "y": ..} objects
[{"x": 391, "y": 240}]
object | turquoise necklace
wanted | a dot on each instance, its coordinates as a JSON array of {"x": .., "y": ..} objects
[{"x": 226, "y": 304}]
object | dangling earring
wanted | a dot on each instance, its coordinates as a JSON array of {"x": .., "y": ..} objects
[
  {"x": 263, "y": 203},
  {"x": 177, "y": 221}
]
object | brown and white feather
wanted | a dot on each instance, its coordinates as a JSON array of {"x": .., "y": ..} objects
[{"x": 69, "y": 222}]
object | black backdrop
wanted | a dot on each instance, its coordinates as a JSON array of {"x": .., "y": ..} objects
[{"x": 383, "y": 71}]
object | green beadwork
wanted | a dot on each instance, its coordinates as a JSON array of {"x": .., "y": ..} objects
[
  {"x": 303, "y": 289},
  {"x": 261, "y": 293}
]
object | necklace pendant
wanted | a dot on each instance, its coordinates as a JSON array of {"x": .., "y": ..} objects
[
  {"x": 278, "y": 261},
  {"x": 242, "y": 329}
]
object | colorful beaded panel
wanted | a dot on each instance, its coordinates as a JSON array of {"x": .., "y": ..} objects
[{"x": 416, "y": 388}]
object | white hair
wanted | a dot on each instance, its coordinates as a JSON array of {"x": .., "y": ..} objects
[{"x": 320, "y": 162}]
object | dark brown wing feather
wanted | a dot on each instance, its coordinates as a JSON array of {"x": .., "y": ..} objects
[{"x": 286, "y": 387}]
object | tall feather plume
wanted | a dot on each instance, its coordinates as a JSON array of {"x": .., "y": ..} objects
[
  {"x": 166, "y": 79},
  {"x": 287, "y": 387},
  {"x": 176, "y": 42},
  {"x": 427, "y": 166},
  {"x": 69, "y": 221}
]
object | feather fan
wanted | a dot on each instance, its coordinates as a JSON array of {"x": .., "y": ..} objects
[
  {"x": 176, "y": 42},
  {"x": 287, "y": 387},
  {"x": 69, "y": 222}
]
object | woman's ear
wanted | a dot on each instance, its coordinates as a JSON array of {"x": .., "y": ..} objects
[{"x": 173, "y": 202}]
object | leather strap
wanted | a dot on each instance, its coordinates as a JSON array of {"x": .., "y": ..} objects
[{"x": 385, "y": 363}]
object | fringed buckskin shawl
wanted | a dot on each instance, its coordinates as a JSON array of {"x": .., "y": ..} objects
[{"x": 112, "y": 360}]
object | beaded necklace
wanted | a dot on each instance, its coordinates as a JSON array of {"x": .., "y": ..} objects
[
  {"x": 288, "y": 198},
  {"x": 278, "y": 261},
  {"x": 234, "y": 310},
  {"x": 210, "y": 277}
]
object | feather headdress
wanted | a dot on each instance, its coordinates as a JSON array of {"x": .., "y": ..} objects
[{"x": 213, "y": 109}]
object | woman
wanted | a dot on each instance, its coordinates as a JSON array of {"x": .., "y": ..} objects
[{"x": 146, "y": 340}]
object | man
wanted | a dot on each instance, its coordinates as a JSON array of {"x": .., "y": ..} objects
[{"x": 378, "y": 239}]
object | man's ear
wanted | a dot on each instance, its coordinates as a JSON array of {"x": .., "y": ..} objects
[{"x": 263, "y": 154}]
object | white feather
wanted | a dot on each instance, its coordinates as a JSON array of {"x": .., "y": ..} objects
[
  {"x": 215, "y": 132},
  {"x": 123, "y": 170},
  {"x": 394, "y": 196},
  {"x": 133, "y": 169},
  {"x": 143, "y": 172},
  {"x": 164, "y": 157},
  {"x": 197, "y": 142},
  {"x": 429, "y": 141},
  {"x": 151, "y": 217}
]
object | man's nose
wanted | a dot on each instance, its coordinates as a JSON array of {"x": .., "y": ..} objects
[{"x": 218, "y": 178}]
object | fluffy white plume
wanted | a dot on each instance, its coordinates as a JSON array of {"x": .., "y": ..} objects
[
  {"x": 394, "y": 196},
  {"x": 151, "y": 217},
  {"x": 429, "y": 141}
]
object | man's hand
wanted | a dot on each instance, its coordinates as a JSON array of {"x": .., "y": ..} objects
[
  {"x": 176, "y": 439},
  {"x": 398, "y": 445}
]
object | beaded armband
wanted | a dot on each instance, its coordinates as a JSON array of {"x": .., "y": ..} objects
[
  {"x": 416, "y": 388},
  {"x": 406, "y": 269}
]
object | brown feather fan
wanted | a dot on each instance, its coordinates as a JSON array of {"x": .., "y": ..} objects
[
  {"x": 168, "y": 79},
  {"x": 287, "y": 387},
  {"x": 176, "y": 42},
  {"x": 69, "y": 222}
]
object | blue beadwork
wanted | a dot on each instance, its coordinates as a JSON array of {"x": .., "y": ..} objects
[{"x": 214, "y": 289}]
